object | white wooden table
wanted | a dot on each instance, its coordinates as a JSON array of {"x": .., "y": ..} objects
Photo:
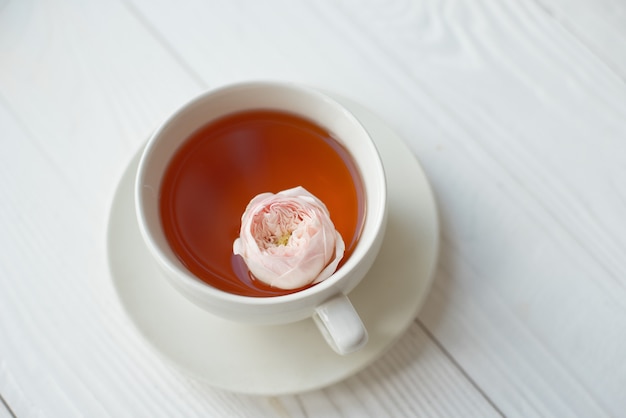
[{"x": 515, "y": 109}]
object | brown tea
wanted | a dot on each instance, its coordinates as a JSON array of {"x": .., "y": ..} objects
[{"x": 222, "y": 166}]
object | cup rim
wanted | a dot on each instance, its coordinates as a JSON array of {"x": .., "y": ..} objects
[{"x": 362, "y": 249}]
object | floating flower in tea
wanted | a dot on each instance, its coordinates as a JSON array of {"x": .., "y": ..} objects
[{"x": 288, "y": 240}]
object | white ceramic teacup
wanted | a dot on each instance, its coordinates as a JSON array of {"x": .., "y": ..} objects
[{"x": 325, "y": 302}]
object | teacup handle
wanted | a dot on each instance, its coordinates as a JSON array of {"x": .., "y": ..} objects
[{"x": 340, "y": 325}]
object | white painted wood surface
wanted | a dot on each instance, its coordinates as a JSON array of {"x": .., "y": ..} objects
[{"x": 516, "y": 109}]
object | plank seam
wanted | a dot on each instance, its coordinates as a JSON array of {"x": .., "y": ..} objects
[
  {"x": 460, "y": 368},
  {"x": 6, "y": 405}
]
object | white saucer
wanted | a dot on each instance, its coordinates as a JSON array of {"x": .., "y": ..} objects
[{"x": 276, "y": 360}]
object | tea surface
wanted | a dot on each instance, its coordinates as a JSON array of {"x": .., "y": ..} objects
[{"x": 222, "y": 166}]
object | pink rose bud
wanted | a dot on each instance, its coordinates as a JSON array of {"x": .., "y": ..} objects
[{"x": 288, "y": 240}]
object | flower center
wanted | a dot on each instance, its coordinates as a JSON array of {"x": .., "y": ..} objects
[{"x": 283, "y": 239}]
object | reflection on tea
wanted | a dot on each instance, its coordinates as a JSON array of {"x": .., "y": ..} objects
[{"x": 216, "y": 172}]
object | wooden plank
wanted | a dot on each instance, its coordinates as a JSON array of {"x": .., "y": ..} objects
[
  {"x": 599, "y": 25},
  {"x": 112, "y": 79}
]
